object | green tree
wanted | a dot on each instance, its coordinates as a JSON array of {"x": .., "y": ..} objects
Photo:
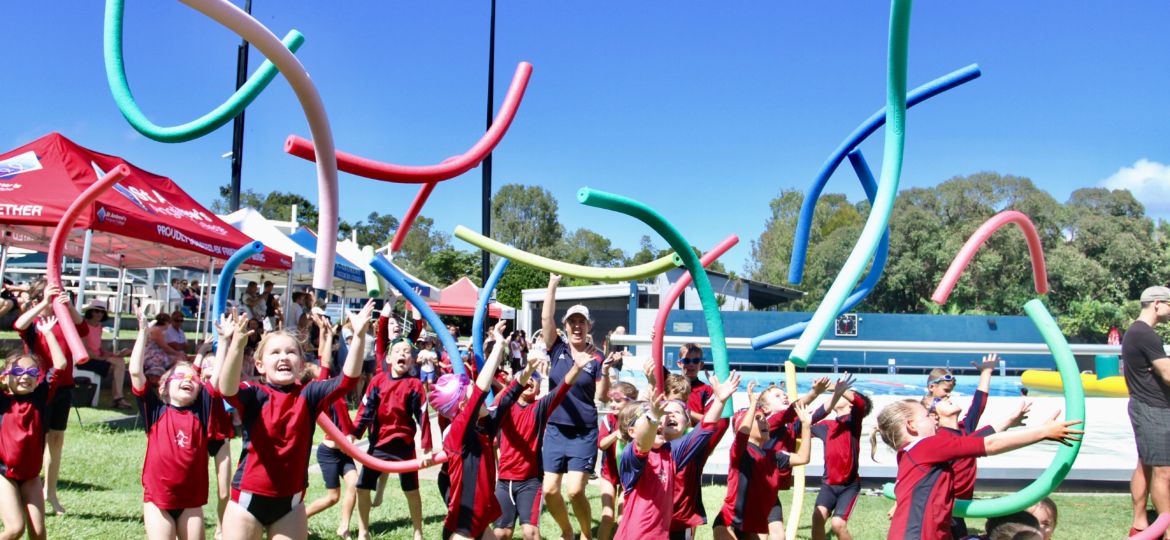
[
  {"x": 588, "y": 248},
  {"x": 517, "y": 278},
  {"x": 423, "y": 242},
  {"x": 447, "y": 265},
  {"x": 526, "y": 217},
  {"x": 276, "y": 205},
  {"x": 377, "y": 230}
]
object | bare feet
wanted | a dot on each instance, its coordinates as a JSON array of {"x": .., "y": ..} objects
[
  {"x": 343, "y": 533},
  {"x": 55, "y": 508}
]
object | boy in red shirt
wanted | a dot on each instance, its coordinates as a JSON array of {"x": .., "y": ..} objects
[{"x": 841, "y": 435}]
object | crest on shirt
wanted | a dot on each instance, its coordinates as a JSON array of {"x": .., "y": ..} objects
[{"x": 182, "y": 440}]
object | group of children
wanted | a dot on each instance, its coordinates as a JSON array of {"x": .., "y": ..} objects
[{"x": 500, "y": 460}]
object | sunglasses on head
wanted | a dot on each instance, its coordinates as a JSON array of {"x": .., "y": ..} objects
[
  {"x": 185, "y": 376},
  {"x": 17, "y": 371},
  {"x": 945, "y": 378}
]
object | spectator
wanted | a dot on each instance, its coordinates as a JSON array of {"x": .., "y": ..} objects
[
  {"x": 1147, "y": 375},
  {"x": 159, "y": 356},
  {"x": 174, "y": 295},
  {"x": 190, "y": 300},
  {"x": 251, "y": 302},
  {"x": 108, "y": 364},
  {"x": 175, "y": 336},
  {"x": 271, "y": 307},
  {"x": 296, "y": 317}
]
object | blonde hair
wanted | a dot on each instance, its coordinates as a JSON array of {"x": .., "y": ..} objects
[
  {"x": 629, "y": 414},
  {"x": 938, "y": 372},
  {"x": 626, "y": 389},
  {"x": 677, "y": 385},
  {"x": 687, "y": 348},
  {"x": 259, "y": 354},
  {"x": 890, "y": 425},
  {"x": 14, "y": 360}
]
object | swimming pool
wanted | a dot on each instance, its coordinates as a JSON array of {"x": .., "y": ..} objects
[{"x": 892, "y": 385}]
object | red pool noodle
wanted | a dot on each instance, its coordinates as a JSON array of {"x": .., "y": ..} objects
[
  {"x": 665, "y": 303},
  {"x": 424, "y": 174},
  {"x": 411, "y": 214},
  {"x": 1155, "y": 530},
  {"x": 365, "y": 459},
  {"x": 57, "y": 249},
  {"x": 1039, "y": 270}
]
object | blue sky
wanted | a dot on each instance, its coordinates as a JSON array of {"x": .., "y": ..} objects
[{"x": 704, "y": 110}]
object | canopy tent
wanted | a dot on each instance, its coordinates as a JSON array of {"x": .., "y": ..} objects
[
  {"x": 351, "y": 267},
  {"x": 351, "y": 250},
  {"x": 460, "y": 299},
  {"x": 145, "y": 221}
]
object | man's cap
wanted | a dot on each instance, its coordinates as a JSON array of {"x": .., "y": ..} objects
[
  {"x": 1156, "y": 293},
  {"x": 577, "y": 310}
]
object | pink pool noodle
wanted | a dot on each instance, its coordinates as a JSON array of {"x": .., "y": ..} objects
[
  {"x": 57, "y": 248},
  {"x": 1039, "y": 270},
  {"x": 449, "y": 168},
  {"x": 372, "y": 462},
  {"x": 1155, "y": 530},
  {"x": 665, "y": 303},
  {"x": 271, "y": 47}
]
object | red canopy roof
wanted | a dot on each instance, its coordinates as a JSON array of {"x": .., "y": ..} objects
[
  {"x": 145, "y": 221},
  {"x": 460, "y": 298}
]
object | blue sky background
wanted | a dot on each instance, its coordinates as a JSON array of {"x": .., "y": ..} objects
[{"x": 702, "y": 110}]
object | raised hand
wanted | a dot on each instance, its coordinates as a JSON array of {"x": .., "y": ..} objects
[
  {"x": 387, "y": 309},
  {"x": 724, "y": 390},
  {"x": 46, "y": 324},
  {"x": 657, "y": 405},
  {"x": 361, "y": 321},
  {"x": 989, "y": 362},
  {"x": 802, "y": 413},
  {"x": 539, "y": 364},
  {"x": 140, "y": 313},
  {"x": 1021, "y": 415},
  {"x": 498, "y": 332},
  {"x": 1062, "y": 432},
  {"x": 820, "y": 384},
  {"x": 751, "y": 391},
  {"x": 554, "y": 279}
]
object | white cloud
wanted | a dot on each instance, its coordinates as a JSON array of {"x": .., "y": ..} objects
[{"x": 1149, "y": 181}]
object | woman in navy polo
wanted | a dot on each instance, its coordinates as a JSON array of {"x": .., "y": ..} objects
[{"x": 570, "y": 441}]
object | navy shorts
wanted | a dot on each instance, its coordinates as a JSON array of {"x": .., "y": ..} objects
[
  {"x": 519, "y": 499},
  {"x": 334, "y": 464},
  {"x": 396, "y": 450},
  {"x": 569, "y": 449},
  {"x": 839, "y": 499},
  {"x": 266, "y": 510},
  {"x": 59, "y": 409}
]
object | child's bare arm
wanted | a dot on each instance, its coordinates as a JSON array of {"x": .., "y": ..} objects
[
  {"x": 229, "y": 372},
  {"x": 985, "y": 368},
  {"x": 804, "y": 453},
  {"x": 819, "y": 386},
  {"x": 548, "y": 320},
  {"x": 357, "y": 350},
  {"x": 646, "y": 427},
  {"x": 45, "y": 327},
  {"x": 745, "y": 426},
  {"x": 488, "y": 372},
  {"x": 137, "y": 375},
  {"x": 723, "y": 392}
]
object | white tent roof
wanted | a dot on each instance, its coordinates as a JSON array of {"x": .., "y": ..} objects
[
  {"x": 256, "y": 226},
  {"x": 351, "y": 251}
]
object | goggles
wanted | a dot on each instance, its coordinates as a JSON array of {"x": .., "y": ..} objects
[
  {"x": 945, "y": 378},
  {"x": 17, "y": 371}
]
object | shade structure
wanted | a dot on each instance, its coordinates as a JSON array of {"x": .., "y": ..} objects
[
  {"x": 459, "y": 299},
  {"x": 344, "y": 269},
  {"x": 352, "y": 251},
  {"x": 144, "y": 221}
]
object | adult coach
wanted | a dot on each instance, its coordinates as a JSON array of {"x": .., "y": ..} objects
[
  {"x": 570, "y": 441},
  {"x": 1147, "y": 374}
]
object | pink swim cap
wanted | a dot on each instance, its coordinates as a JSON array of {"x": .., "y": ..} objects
[{"x": 448, "y": 392}]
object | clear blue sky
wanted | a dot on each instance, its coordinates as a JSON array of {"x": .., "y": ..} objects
[{"x": 702, "y": 110}]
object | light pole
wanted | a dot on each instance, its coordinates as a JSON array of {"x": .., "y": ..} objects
[
  {"x": 485, "y": 267},
  {"x": 238, "y": 123}
]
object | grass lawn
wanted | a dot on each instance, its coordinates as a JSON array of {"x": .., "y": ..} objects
[{"x": 101, "y": 489}]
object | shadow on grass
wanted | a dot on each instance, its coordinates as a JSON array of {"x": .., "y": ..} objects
[
  {"x": 105, "y": 518},
  {"x": 73, "y": 485},
  {"x": 400, "y": 524}
]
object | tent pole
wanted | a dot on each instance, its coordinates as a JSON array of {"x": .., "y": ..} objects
[
  {"x": 3, "y": 259},
  {"x": 84, "y": 267},
  {"x": 288, "y": 287},
  {"x": 167, "y": 294},
  {"x": 205, "y": 304},
  {"x": 120, "y": 303}
]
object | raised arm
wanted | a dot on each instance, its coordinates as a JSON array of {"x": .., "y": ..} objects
[
  {"x": 45, "y": 327},
  {"x": 602, "y": 392},
  {"x": 324, "y": 340},
  {"x": 548, "y": 313},
  {"x": 745, "y": 426},
  {"x": 723, "y": 392},
  {"x": 357, "y": 347},
  {"x": 985, "y": 368},
  {"x": 1015, "y": 420},
  {"x": 1060, "y": 432},
  {"x": 137, "y": 354},
  {"x": 484, "y": 380},
  {"x": 819, "y": 386},
  {"x": 804, "y": 451},
  {"x": 30, "y": 315},
  {"x": 229, "y": 372},
  {"x": 646, "y": 427},
  {"x": 840, "y": 389}
]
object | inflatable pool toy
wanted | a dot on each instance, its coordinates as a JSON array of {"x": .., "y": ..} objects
[
  {"x": 1155, "y": 530},
  {"x": 213, "y": 120},
  {"x": 481, "y": 311},
  {"x": 1035, "y": 250},
  {"x": 1050, "y": 381},
  {"x": 883, "y": 205},
  {"x": 224, "y": 284}
]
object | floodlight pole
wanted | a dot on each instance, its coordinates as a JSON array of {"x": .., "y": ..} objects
[
  {"x": 238, "y": 123},
  {"x": 486, "y": 210}
]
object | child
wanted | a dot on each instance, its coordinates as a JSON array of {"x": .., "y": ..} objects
[
  {"x": 622, "y": 393},
  {"x": 278, "y": 419},
  {"x": 925, "y": 482},
  {"x": 428, "y": 370},
  {"x": 174, "y": 472},
  {"x": 469, "y": 445},
  {"x": 649, "y": 464},
  {"x": 336, "y": 465},
  {"x": 220, "y": 429},
  {"x": 940, "y": 382},
  {"x": 393, "y": 408},
  {"x": 752, "y": 508},
  {"x": 521, "y": 436},
  {"x": 842, "y": 440},
  {"x": 690, "y": 362},
  {"x": 1045, "y": 513},
  {"x": 782, "y": 416},
  {"x": 24, "y": 411}
]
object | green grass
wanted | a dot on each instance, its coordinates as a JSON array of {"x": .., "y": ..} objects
[{"x": 101, "y": 489}]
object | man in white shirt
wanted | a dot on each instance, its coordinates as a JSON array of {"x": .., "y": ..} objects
[{"x": 174, "y": 334}]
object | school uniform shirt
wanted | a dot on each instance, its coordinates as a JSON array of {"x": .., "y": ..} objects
[
  {"x": 393, "y": 409},
  {"x": 578, "y": 411},
  {"x": 472, "y": 506},
  {"x": 966, "y": 468},
  {"x": 522, "y": 435},
  {"x": 842, "y": 438},
  {"x": 174, "y": 472},
  {"x": 688, "y": 496},
  {"x": 648, "y": 480},
  {"x": 782, "y": 428},
  {"x": 23, "y": 426},
  {"x": 278, "y": 424},
  {"x": 700, "y": 397},
  {"x": 339, "y": 410},
  {"x": 34, "y": 343},
  {"x": 609, "y": 468},
  {"x": 925, "y": 485},
  {"x": 753, "y": 477}
]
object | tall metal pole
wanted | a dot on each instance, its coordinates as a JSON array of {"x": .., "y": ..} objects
[
  {"x": 486, "y": 263},
  {"x": 238, "y": 123}
]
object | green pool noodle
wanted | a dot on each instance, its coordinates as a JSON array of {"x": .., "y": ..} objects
[{"x": 374, "y": 288}]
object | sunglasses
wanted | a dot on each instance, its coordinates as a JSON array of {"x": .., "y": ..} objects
[
  {"x": 17, "y": 371},
  {"x": 187, "y": 376},
  {"x": 689, "y": 361},
  {"x": 945, "y": 378}
]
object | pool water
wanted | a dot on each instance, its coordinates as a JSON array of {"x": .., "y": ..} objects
[{"x": 887, "y": 385}]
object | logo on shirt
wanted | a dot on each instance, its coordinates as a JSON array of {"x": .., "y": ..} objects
[{"x": 182, "y": 440}]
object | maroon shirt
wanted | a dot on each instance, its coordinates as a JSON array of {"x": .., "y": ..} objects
[
  {"x": 522, "y": 435},
  {"x": 688, "y": 494},
  {"x": 700, "y": 398},
  {"x": 472, "y": 465},
  {"x": 339, "y": 411},
  {"x": 753, "y": 478},
  {"x": 393, "y": 409},
  {"x": 22, "y": 428},
  {"x": 924, "y": 488},
  {"x": 609, "y": 468},
  {"x": 34, "y": 343},
  {"x": 174, "y": 473},
  {"x": 842, "y": 437}
]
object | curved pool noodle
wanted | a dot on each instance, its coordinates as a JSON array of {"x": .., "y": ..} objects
[
  {"x": 629, "y": 273},
  {"x": 883, "y": 205},
  {"x": 398, "y": 281},
  {"x": 481, "y": 311},
  {"x": 411, "y": 214},
  {"x": 224, "y": 283},
  {"x": 367, "y": 460},
  {"x": 857, "y": 160},
  {"x": 449, "y": 168},
  {"x": 1039, "y": 269},
  {"x": 1155, "y": 530},
  {"x": 647, "y": 215},
  {"x": 213, "y": 120},
  {"x": 373, "y": 282},
  {"x": 260, "y": 37},
  {"x": 666, "y": 302},
  {"x": 1074, "y": 409},
  {"x": 57, "y": 251},
  {"x": 859, "y": 134},
  {"x": 798, "y": 479}
]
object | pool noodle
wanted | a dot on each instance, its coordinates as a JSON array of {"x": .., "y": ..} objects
[
  {"x": 259, "y": 36},
  {"x": 481, "y": 311},
  {"x": 398, "y": 281},
  {"x": 630, "y": 273},
  {"x": 224, "y": 283},
  {"x": 860, "y": 133},
  {"x": 665, "y": 304},
  {"x": 1155, "y": 530},
  {"x": 373, "y": 282},
  {"x": 124, "y": 98},
  {"x": 879, "y": 215},
  {"x": 411, "y": 214},
  {"x": 57, "y": 250},
  {"x": 647, "y": 215},
  {"x": 372, "y": 462},
  {"x": 857, "y": 160},
  {"x": 1035, "y": 249},
  {"x": 798, "y": 479}
]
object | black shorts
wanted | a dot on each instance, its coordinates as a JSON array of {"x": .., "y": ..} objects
[
  {"x": 59, "y": 409},
  {"x": 1151, "y": 432},
  {"x": 101, "y": 367},
  {"x": 519, "y": 499},
  {"x": 569, "y": 448},
  {"x": 213, "y": 446},
  {"x": 839, "y": 499},
  {"x": 396, "y": 450},
  {"x": 334, "y": 465},
  {"x": 776, "y": 514},
  {"x": 266, "y": 510}
]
